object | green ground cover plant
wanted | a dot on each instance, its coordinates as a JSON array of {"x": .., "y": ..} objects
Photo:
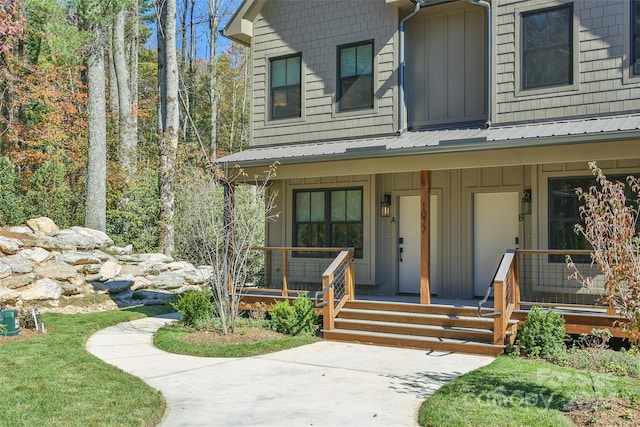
[
  {"x": 520, "y": 392},
  {"x": 51, "y": 380},
  {"x": 172, "y": 338}
]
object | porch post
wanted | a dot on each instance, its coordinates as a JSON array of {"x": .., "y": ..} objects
[{"x": 425, "y": 240}]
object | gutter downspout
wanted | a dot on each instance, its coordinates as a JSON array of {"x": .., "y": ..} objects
[
  {"x": 487, "y": 6},
  {"x": 401, "y": 108}
]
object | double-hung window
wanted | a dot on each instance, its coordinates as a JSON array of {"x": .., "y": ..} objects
[
  {"x": 547, "y": 47},
  {"x": 328, "y": 218},
  {"x": 635, "y": 38},
  {"x": 355, "y": 76},
  {"x": 285, "y": 86}
]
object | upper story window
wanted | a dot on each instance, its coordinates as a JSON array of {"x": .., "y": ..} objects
[
  {"x": 547, "y": 47},
  {"x": 285, "y": 86},
  {"x": 355, "y": 76},
  {"x": 329, "y": 218},
  {"x": 635, "y": 38}
]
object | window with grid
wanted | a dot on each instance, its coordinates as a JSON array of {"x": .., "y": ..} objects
[
  {"x": 564, "y": 213},
  {"x": 285, "y": 87},
  {"x": 547, "y": 47},
  {"x": 355, "y": 76},
  {"x": 328, "y": 218}
]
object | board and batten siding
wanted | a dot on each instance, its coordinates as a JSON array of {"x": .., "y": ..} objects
[
  {"x": 315, "y": 28},
  {"x": 603, "y": 84},
  {"x": 446, "y": 65}
]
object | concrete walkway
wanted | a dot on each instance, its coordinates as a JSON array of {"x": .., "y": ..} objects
[{"x": 322, "y": 384}]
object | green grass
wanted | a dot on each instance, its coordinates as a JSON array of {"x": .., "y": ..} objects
[
  {"x": 168, "y": 338},
  {"x": 519, "y": 392},
  {"x": 51, "y": 380}
]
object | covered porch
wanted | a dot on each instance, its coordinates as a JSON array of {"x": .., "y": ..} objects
[{"x": 523, "y": 279}]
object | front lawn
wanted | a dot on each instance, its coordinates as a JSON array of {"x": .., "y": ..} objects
[
  {"x": 521, "y": 392},
  {"x": 51, "y": 380}
]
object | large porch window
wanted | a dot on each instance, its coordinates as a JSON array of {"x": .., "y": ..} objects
[
  {"x": 328, "y": 218},
  {"x": 564, "y": 212}
]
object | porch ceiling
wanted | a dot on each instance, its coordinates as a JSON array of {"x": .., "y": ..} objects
[{"x": 447, "y": 141}]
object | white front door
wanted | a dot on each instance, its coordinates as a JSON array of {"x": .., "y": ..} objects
[
  {"x": 496, "y": 227},
  {"x": 409, "y": 244}
]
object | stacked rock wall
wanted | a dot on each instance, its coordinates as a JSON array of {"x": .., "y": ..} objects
[{"x": 40, "y": 264}]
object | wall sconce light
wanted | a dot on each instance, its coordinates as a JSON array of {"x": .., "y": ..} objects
[
  {"x": 385, "y": 206},
  {"x": 525, "y": 209}
]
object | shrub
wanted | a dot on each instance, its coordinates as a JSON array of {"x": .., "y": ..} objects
[
  {"x": 197, "y": 308},
  {"x": 610, "y": 224},
  {"x": 297, "y": 319},
  {"x": 543, "y": 334}
]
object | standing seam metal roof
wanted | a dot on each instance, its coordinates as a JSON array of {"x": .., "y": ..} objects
[{"x": 623, "y": 125}]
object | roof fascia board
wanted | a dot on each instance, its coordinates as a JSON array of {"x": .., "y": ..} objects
[{"x": 240, "y": 26}]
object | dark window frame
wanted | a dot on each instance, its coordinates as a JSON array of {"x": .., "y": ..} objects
[
  {"x": 635, "y": 38},
  {"x": 342, "y": 81},
  {"x": 548, "y": 47},
  {"x": 327, "y": 222},
  {"x": 289, "y": 89},
  {"x": 565, "y": 223}
]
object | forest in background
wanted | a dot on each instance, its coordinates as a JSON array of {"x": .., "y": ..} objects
[{"x": 56, "y": 119}]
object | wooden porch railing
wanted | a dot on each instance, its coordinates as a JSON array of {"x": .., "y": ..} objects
[
  {"x": 291, "y": 270},
  {"x": 506, "y": 295},
  {"x": 540, "y": 278},
  {"x": 338, "y": 287}
]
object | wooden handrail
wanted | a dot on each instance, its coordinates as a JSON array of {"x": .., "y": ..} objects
[{"x": 330, "y": 306}]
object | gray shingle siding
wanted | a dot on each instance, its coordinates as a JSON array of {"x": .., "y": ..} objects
[
  {"x": 602, "y": 45},
  {"x": 315, "y": 28}
]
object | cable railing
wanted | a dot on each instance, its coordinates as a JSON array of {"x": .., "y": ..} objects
[
  {"x": 289, "y": 271},
  {"x": 531, "y": 277},
  {"x": 338, "y": 287}
]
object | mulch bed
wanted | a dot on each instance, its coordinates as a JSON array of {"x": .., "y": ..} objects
[
  {"x": 605, "y": 413},
  {"x": 242, "y": 335},
  {"x": 24, "y": 334}
]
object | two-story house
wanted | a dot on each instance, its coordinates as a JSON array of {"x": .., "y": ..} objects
[{"x": 431, "y": 135}]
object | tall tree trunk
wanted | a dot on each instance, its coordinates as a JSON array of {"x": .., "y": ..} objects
[
  {"x": 128, "y": 143},
  {"x": 114, "y": 105},
  {"x": 214, "y": 22},
  {"x": 161, "y": 13},
  {"x": 169, "y": 134},
  {"x": 133, "y": 67},
  {"x": 96, "y": 203}
]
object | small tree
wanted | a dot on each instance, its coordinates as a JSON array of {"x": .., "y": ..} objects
[
  {"x": 219, "y": 220},
  {"x": 610, "y": 227}
]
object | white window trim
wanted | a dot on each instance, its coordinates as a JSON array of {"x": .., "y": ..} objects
[{"x": 531, "y": 7}]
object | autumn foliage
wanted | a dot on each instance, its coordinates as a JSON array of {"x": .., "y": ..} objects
[{"x": 610, "y": 225}]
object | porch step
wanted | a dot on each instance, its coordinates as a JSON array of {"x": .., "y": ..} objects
[
  {"x": 429, "y": 327},
  {"x": 451, "y": 332},
  {"x": 409, "y": 341},
  {"x": 450, "y": 320}
]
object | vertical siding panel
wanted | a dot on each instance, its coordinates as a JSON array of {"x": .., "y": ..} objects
[
  {"x": 455, "y": 64},
  {"x": 436, "y": 68}
]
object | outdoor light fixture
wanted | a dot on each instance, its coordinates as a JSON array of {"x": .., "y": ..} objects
[
  {"x": 385, "y": 206},
  {"x": 526, "y": 203}
]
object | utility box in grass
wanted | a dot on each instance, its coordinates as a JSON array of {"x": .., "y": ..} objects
[{"x": 9, "y": 318}]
